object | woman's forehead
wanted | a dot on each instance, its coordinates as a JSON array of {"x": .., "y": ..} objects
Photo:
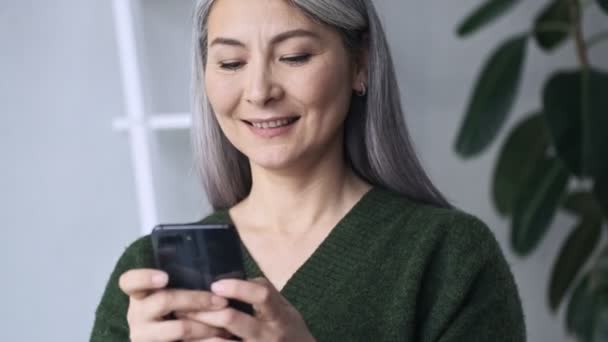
[{"x": 240, "y": 19}]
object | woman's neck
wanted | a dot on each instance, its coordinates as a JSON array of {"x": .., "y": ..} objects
[{"x": 292, "y": 204}]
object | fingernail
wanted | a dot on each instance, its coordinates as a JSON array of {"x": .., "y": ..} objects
[
  {"x": 159, "y": 279},
  {"x": 218, "y": 286},
  {"x": 218, "y": 302}
]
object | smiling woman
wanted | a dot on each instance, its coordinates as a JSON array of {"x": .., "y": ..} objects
[
  {"x": 268, "y": 85},
  {"x": 301, "y": 144},
  {"x": 315, "y": 54}
]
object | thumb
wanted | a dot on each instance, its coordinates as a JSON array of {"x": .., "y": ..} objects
[{"x": 271, "y": 309}]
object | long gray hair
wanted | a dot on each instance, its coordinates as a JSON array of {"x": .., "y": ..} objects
[{"x": 377, "y": 144}]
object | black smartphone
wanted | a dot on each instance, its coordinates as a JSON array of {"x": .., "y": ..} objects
[{"x": 195, "y": 255}]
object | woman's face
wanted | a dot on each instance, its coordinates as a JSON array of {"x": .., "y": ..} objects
[{"x": 267, "y": 62}]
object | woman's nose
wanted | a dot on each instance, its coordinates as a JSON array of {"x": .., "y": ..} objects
[{"x": 261, "y": 87}]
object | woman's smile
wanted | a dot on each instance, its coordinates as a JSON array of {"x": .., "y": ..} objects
[{"x": 272, "y": 128}]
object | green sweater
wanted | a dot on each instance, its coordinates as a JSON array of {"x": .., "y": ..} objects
[{"x": 390, "y": 270}]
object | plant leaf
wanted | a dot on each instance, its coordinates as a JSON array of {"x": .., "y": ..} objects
[
  {"x": 579, "y": 316},
  {"x": 599, "y": 273},
  {"x": 598, "y": 283},
  {"x": 600, "y": 322},
  {"x": 596, "y": 123},
  {"x": 572, "y": 257},
  {"x": 525, "y": 146},
  {"x": 584, "y": 205},
  {"x": 484, "y": 15},
  {"x": 575, "y": 107},
  {"x": 603, "y": 5},
  {"x": 600, "y": 190},
  {"x": 536, "y": 204},
  {"x": 492, "y": 97},
  {"x": 553, "y": 24}
]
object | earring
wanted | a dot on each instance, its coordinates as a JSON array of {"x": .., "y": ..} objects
[{"x": 363, "y": 90}]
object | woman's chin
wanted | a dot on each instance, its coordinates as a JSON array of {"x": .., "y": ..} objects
[
  {"x": 272, "y": 165},
  {"x": 274, "y": 162}
]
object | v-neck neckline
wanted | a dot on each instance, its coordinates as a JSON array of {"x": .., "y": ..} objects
[{"x": 339, "y": 253}]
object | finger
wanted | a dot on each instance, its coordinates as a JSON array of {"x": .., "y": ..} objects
[
  {"x": 236, "y": 322},
  {"x": 259, "y": 292},
  {"x": 174, "y": 330},
  {"x": 224, "y": 335},
  {"x": 137, "y": 283},
  {"x": 181, "y": 314},
  {"x": 164, "y": 302}
]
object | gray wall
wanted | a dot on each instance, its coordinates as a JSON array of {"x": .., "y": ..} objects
[{"x": 66, "y": 189}]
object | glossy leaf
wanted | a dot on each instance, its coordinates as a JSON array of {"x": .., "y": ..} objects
[
  {"x": 492, "y": 97},
  {"x": 552, "y": 26},
  {"x": 584, "y": 205},
  {"x": 598, "y": 283},
  {"x": 572, "y": 257},
  {"x": 603, "y": 5},
  {"x": 525, "y": 146},
  {"x": 575, "y": 107},
  {"x": 579, "y": 314},
  {"x": 600, "y": 190},
  {"x": 599, "y": 273},
  {"x": 483, "y": 15},
  {"x": 600, "y": 322},
  {"x": 536, "y": 204}
]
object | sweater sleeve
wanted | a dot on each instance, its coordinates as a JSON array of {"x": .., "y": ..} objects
[
  {"x": 111, "y": 313},
  {"x": 481, "y": 302}
]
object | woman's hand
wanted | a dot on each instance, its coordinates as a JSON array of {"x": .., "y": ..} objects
[
  {"x": 275, "y": 319},
  {"x": 149, "y": 303}
]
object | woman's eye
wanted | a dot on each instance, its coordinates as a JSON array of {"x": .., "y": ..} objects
[
  {"x": 296, "y": 60},
  {"x": 231, "y": 66}
]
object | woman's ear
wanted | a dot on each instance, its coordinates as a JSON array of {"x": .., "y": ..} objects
[{"x": 361, "y": 65}]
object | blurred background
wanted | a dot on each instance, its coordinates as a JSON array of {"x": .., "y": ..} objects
[{"x": 81, "y": 179}]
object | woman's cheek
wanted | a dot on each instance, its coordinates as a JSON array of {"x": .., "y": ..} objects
[
  {"x": 222, "y": 96},
  {"x": 326, "y": 79},
  {"x": 325, "y": 90}
]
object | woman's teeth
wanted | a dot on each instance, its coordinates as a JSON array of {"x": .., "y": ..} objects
[{"x": 273, "y": 124}]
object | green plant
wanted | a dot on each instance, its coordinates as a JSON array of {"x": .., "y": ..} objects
[{"x": 556, "y": 158}]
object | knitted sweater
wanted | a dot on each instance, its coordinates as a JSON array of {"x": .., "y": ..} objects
[{"x": 390, "y": 270}]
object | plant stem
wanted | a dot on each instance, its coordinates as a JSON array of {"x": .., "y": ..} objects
[
  {"x": 596, "y": 38},
  {"x": 581, "y": 49}
]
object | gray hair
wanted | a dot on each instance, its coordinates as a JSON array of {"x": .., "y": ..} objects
[{"x": 377, "y": 143}]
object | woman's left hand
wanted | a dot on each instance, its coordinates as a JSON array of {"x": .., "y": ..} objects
[{"x": 275, "y": 318}]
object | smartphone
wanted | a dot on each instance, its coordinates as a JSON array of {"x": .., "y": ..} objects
[{"x": 195, "y": 255}]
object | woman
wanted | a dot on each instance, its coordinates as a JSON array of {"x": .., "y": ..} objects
[{"x": 302, "y": 145}]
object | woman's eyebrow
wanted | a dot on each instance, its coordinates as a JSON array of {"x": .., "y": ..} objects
[{"x": 275, "y": 40}]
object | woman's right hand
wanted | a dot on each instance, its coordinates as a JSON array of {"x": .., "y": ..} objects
[{"x": 149, "y": 303}]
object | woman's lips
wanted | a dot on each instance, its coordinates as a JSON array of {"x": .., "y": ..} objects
[
  {"x": 271, "y": 132},
  {"x": 292, "y": 117}
]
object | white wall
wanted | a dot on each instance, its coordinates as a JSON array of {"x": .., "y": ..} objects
[
  {"x": 67, "y": 202},
  {"x": 66, "y": 190}
]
